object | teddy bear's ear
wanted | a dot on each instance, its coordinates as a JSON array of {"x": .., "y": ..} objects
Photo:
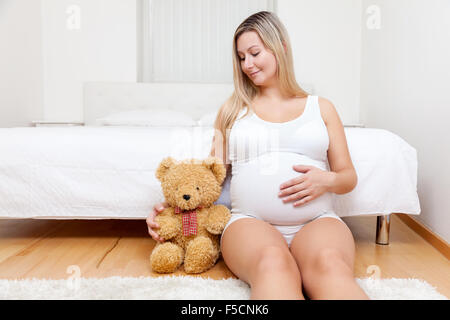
[
  {"x": 164, "y": 166},
  {"x": 217, "y": 167}
]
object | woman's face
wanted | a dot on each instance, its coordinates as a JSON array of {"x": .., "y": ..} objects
[{"x": 258, "y": 63}]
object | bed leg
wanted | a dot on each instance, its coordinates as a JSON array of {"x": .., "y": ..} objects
[{"x": 383, "y": 223}]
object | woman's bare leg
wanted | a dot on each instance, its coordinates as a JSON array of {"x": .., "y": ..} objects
[
  {"x": 325, "y": 253},
  {"x": 257, "y": 253}
]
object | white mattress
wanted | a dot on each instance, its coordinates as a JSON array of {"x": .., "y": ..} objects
[{"x": 109, "y": 172}]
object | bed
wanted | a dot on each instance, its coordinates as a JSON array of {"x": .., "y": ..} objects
[{"x": 106, "y": 168}]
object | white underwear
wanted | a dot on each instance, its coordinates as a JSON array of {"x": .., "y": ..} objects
[{"x": 288, "y": 231}]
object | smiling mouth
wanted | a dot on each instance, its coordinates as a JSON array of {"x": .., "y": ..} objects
[{"x": 254, "y": 73}]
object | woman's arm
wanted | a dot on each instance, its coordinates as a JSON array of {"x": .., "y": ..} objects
[
  {"x": 343, "y": 178},
  {"x": 314, "y": 182},
  {"x": 343, "y": 181}
]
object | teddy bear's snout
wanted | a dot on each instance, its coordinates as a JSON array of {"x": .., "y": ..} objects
[{"x": 186, "y": 197}]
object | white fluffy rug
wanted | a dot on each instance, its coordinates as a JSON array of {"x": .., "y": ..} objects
[{"x": 188, "y": 288}]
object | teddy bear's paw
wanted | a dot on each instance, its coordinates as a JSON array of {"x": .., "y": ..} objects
[
  {"x": 217, "y": 219},
  {"x": 166, "y": 257},
  {"x": 169, "y": 227},
  {"x": 201, "y": 255}
]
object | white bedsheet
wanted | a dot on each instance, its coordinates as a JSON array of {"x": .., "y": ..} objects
[{"x": 109, "y": 172}]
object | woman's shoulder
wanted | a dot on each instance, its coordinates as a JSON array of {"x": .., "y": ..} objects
[{"x": 327, "y": 109}]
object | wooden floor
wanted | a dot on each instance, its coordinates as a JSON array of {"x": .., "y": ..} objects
[{"x": 103, "y": 248}]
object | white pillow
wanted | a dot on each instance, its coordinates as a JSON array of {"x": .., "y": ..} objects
[
  {"x": 149, "y": 117},
  {"x": 207, "y": 120}
]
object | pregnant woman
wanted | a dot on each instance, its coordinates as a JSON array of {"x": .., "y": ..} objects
[{"x": 284, "y": 238}]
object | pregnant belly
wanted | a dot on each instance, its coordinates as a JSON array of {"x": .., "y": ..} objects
[{"x": 255, "y": 185}]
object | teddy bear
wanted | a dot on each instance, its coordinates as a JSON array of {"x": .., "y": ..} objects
[{"x": 192, "y": 224}]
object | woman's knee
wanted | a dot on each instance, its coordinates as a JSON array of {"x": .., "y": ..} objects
[
  {"x": 329, "y": 261},
  {"x": 274, "y": 259}
]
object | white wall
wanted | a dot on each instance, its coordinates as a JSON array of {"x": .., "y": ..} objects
[
  {"x": 405, "y": 86},
  {"x": 103, "y": 48},
  {"x": 44, "y": 63},
  {"x": 21, "y": 86},
  {"x": 326, "y": 43}
]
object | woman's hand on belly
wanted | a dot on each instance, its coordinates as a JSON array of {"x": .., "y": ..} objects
[{"x": 313, "y": 183}]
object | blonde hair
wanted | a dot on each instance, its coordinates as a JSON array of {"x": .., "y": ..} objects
[{"x": 275, "y": 38}]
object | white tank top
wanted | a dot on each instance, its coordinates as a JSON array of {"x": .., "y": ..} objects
[
  {"x": 262, "y": 155},
  {"x": 251, "y": 136}
]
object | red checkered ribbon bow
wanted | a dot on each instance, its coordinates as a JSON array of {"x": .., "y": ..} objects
[{"x": 189, "y": 218}]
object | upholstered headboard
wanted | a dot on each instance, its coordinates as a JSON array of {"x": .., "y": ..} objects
[{"x": 196, "y": 99}]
